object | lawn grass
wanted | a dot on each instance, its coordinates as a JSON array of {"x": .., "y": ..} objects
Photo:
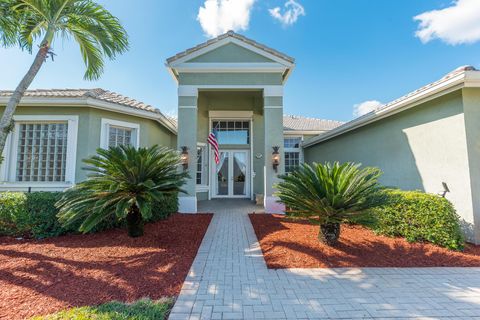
[{"x": 144, "y": 309}]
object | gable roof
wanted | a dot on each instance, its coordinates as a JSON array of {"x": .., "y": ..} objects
[
  {"x": 298, "y": 123},
  {"x": 464, "y": 76},
  {"x": 94, "y": 96},
  {"x": 234, "y": 35},
  {"x": 277, "y": 61}
]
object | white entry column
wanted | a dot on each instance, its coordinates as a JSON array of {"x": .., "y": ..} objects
[
  {"x": 187, "y": 137},
  {"x": 273, "y": 126}
]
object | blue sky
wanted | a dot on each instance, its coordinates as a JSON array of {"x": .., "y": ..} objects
[{"x": 347, "y": 51}]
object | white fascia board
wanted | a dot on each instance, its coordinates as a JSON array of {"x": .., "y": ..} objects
[
  {"x": 472, "y": 79},
  {"x": 132, "y": 111},
  {"x": 268, "y": 90},
  {"x": 93, "y": 103},
  {"x": 423, "y": 95},
  {"x": 174, "y": 64},
  {"x": 303, "y": 132},
  {"x": 264, "y": 67}
]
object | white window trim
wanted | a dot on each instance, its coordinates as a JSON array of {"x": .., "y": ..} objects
[
  {"x": 105, "y": 130},
  {"x": 204, "y": 186},
  {"x": 9, "y": 166}
]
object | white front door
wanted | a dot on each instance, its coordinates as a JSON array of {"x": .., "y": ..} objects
[{"x": 231, "y": 177}]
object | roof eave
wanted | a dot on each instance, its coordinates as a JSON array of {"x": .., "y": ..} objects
[
  {"x": 94, "y": 103},
  {"x": 459, "y": 81}
]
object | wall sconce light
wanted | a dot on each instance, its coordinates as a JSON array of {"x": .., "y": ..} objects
[
  {"x": 275, "y": 158},
  {"x": 184, "y": 157}
]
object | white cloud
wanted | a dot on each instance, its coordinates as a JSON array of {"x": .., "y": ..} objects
[
  {"x": 457, "y": 24},
  {"x": 365, "y": 107},
  {"x": 293, "y": 10},
  {"x": 219, "y": 16}
]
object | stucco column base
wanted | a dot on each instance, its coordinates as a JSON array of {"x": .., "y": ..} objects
[
  {"x": 272, "y": 205},
  {"x": 187, "y": 204}
]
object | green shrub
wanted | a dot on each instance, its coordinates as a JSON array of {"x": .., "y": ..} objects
[
  {"x": 419, "y": 216},
  {"x": 35, "y": 215},
  {"x": 43, "y": 215},
  {"x": 164, "y": 209},
  {"x": 13, "y": 214}
]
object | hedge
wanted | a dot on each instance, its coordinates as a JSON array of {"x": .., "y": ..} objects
[
  {"x": 35, "y": 215},
  {"x": 418, "y": 217}
]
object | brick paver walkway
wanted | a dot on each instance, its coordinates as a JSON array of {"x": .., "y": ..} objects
[{"x": 229, "y": 280}]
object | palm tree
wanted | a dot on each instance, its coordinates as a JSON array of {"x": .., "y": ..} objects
[
  {"x": 122, "y": 184},
  {"x": 329, "y": 194},
  {"x": 97, "y": 32}
]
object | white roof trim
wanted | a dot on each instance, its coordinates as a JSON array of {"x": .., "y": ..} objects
[
  {"x": 429, "y": 92},
  {"x": 225, "y": 41},
  {"x": 94, "y": 103},
  {"x": 175, "y": 66},
  {"x": 196, "y": 67}
]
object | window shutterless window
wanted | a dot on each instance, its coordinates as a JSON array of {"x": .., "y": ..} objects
[
  {"x": 115, "y": 133},
  {"x": 42, "y": 151},
  {"x": 292, "y": 153},
  {"x": 119, "y": 136},
  {"x": 201, "y": 165},
  {"x": 292, "y": 161}
]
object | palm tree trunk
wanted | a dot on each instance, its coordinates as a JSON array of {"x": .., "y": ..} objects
[
  {"x": 134, "y": 222},
  {"x": 6, "y": 120},
  {"x": 329, "y": 233}
]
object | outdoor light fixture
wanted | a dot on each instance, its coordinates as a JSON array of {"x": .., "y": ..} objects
[
  {"x": 184, "y": 157},
  {"x": 275, "y": 158}
]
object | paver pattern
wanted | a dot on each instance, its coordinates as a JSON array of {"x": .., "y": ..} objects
[{"x": 230, "y": 280}]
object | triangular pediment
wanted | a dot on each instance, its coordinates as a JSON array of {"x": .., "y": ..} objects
[
  {"x": 231, "y": 53},
  {"x": 231, "y": 47}
]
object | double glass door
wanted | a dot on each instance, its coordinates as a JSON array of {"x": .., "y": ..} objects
[{"x": 232, "y": 174}]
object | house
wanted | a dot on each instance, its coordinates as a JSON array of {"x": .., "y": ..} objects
[
  {"x": 233, "y": 86},
  {"x": 427, "y": 140}
]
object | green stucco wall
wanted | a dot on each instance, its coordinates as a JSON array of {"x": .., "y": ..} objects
[
  {"x": 235, "y": 101},
  {"x": 471, "y": 107},
  {"x": 230, "y": 53},
  {"x": 89, "y": 127},
  {"x": 417, "y": 149}
]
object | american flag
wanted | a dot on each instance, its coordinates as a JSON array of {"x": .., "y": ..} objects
[{"x": 212, "y": 140}]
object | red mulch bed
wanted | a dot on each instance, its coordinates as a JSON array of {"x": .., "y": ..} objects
[
  {"x": 39, "y": 277},
  {"x": 290, "y": 243}
]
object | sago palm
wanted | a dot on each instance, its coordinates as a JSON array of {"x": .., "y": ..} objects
[
  {"x": 122, "y": 183},
  {"x": 327, "y": 194},
  {"x": 97, "y": 32}
]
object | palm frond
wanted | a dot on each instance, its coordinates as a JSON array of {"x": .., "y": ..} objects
[
  {"x": 329, "y": 192},
  {"x": 120, "y": 178}
]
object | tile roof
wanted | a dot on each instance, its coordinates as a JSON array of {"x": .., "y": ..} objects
[
  {"x": 387, "y": 109},
  {"x": 96, "y": 93},
  {"x": 236, "y": 36},
  {"x": 298, "y": 123}
]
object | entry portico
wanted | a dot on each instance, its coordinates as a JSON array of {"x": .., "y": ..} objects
[{"x": 232, "y": 85}]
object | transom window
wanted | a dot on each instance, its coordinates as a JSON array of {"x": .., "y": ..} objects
[
  {"x": 232, "y": 132},
  {"x": 119, "y": 136},
  {"x": 42, "y": 151},
  {"x": 292, "y": 142}
]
